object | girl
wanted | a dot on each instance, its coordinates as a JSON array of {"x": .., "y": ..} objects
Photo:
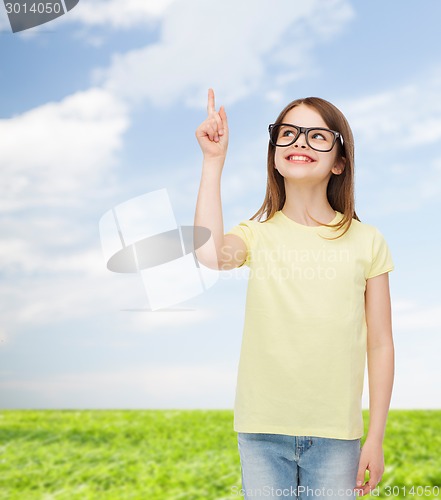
[{"x": 317, "y": 302}]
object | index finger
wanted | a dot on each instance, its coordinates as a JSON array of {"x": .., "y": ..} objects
[{"x": 210, "y": 107}]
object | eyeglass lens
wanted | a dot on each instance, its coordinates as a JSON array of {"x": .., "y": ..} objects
[{"x": 320, "y": 140}]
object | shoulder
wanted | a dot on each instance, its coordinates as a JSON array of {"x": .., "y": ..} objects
[
  {"x": 368, "y": 238},
  {"x": 249, "y": 225},
  {"x": 364, "y": 230},
  {"x": 246, "y": 229},
  {"x": 376, "y": 251}
]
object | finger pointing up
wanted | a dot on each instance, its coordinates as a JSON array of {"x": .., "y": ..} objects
[{"x": 210, "y": 108}]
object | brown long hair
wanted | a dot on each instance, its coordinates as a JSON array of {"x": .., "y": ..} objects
[{"x": 340, "y": 189}]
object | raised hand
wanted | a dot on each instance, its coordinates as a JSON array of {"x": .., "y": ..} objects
[{"x": 212, "y": 133}]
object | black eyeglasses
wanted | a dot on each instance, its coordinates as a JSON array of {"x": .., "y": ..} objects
[{"x": 320, "y": 139}]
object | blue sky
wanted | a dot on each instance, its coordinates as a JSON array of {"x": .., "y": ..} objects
[{"x": 101, "y": 106}]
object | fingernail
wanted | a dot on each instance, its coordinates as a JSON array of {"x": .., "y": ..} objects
[{"x": 358, "y": 483}]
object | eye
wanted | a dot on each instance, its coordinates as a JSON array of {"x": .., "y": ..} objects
[
  {"x": 318, "y": 135},
  {"x": 287, "y": 132}
]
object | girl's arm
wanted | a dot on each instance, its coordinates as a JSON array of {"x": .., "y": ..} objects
[
  {"x": 212, "y": 136},
  {"x": 227, "y": 251},
  {"x": 380, "y": 352}
]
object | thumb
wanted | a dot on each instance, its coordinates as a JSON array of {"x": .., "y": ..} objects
[
  {"x": 360, "y": 475},
  {"x": 223, "y": 116}
]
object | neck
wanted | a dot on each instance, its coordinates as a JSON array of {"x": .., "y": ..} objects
[{"x": 303, "y": 198}]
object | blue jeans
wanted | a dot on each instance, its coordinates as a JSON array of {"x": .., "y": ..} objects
[{"x": 297, "y": 467}]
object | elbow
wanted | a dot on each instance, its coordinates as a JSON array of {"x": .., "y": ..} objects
[
  {"x": 385, "y": 344},
  {"x": 207, "y": 260}
]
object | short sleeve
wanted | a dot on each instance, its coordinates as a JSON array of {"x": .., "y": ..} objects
[
  {"x": 381, "y": 261},
  {"x": 245, "y": 230}
]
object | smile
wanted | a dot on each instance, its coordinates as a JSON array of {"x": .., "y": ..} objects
[{"x": 300, "y": 158}]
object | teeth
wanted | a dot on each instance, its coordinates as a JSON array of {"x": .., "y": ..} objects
[{"x": 299, "y": 158}]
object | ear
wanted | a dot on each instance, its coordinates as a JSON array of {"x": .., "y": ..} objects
[{"x": 339, "y": 166}]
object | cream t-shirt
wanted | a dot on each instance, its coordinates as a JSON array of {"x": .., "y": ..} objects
[{"x": 303, "y": 353}]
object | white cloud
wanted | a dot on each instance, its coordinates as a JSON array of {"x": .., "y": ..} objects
[
  {"x": 399, "y": 118},
  {"x": 196, "y": 386},
  {"x": 57, "y": 153},
  {"x": 56, "y": 158},
  {"x": 232, "y": 46},
  {"x": 417, "y": 344},
  {"x": 408, "y": 190},
  {"x": 413, "y": 316},
  {"x": 115, "y": 14},
  {"x": 49, "y": 299},
  {"x": 396, "y": 131},
  {"x": 118, "y": 14},
  {"x": 429, "y": 187},
  {"x": 153, "y": 322},
  {"x": 48, "y": 288}
]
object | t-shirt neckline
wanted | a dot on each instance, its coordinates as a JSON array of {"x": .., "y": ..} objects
[{"x": 310, "y": 228}]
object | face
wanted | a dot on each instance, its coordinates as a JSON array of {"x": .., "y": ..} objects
[{"x": 300, "y": 162}]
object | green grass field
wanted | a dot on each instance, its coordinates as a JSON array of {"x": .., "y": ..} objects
[{"x": 174, "y": 454}]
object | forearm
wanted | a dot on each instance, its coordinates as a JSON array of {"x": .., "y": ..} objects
[
  {"x": 381, "y": 377},
  {"x": 209, "y": 210}
]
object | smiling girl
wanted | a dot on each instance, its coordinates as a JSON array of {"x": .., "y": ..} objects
[{"x": 318, "y": 301}]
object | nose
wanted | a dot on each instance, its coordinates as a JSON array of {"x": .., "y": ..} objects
[{"x": 301, "y": 141}]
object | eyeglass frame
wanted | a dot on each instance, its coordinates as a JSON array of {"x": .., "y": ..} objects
[{"x": 305, "y": 130}]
